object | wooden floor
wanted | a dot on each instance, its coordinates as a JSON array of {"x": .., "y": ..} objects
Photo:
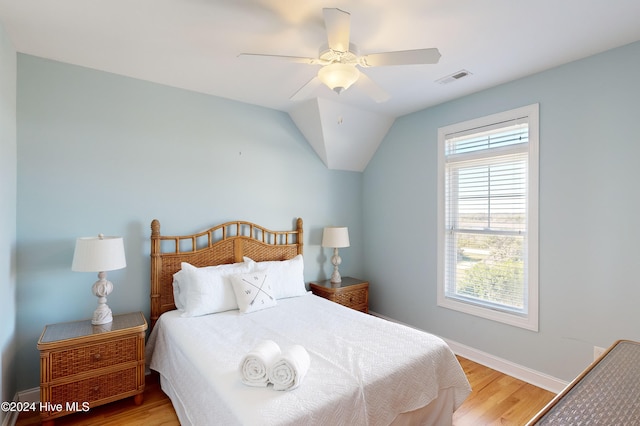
[{"x": 496, "y": 399}]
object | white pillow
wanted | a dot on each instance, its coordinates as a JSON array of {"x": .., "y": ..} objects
[
  {"x": 254, "y": 291},
  {"x": 208, "y": 290},
  {"x": 178, "y": 297},
  {"x": 288, "y": 275}
]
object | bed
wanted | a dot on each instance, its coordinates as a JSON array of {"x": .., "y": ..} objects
[{"x": 363, "y": 370}]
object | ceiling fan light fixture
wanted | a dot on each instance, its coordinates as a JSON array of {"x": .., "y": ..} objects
[{"x": 338, "y": 77}]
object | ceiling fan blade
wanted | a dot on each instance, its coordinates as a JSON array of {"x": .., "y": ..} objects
[
  {"x": 337, "y": 23},
  {"x": 296, "y": 59},
  {"x": 372, "y": 89},
  {"x": 307, "y": 90},
  {"x": 402, "y": 57}
]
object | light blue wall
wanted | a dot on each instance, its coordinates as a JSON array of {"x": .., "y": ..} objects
[
  {"x": 7, "y": 219},
  {"x": 99, "y": 152},
  {"x": 589, "y": 204}
]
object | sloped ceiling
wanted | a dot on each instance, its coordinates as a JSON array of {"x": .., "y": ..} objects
[
  {"x": 343, "y": 136},
  {"x": 194, "y": 45}
]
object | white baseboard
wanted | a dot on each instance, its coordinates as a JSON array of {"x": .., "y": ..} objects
[
  {"x": 29, "y": 395},
  {"x": 509, "y": 368}
]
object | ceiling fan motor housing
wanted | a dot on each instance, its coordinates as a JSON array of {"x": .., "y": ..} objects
[{"x": 330, "y": 55}]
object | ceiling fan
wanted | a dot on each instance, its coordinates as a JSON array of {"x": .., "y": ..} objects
[{"x": 339, "y": 59}]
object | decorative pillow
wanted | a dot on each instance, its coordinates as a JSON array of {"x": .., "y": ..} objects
[
  {"x": 253, "y": 291},
  {"x": 288, "y": 275},
  {"x": 208, "y": 290}
]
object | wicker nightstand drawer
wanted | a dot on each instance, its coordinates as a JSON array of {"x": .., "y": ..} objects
[
  {"x": 352, "y": 298},
  {"x": 94, "y": 389},
  {"x": 351, "y": 292},
  {"x": 86, "y": 358}
]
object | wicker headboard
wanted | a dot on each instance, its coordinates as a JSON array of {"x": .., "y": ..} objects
[{"x": 225, "y": 243}]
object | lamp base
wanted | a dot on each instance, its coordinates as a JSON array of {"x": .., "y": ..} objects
[
  {"x": 102, "y": 288},
  {"x": 336, "y": 260},
  {"x": 102, "y": 315}
]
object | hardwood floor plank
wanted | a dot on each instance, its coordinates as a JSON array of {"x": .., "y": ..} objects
[{"x": 496, "y": 399}]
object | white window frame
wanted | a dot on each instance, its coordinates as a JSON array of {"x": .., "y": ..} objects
[{"x": 528, "y": 319}]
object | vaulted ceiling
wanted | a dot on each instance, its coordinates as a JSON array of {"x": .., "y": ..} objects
[{"x": 194, "y": 45}]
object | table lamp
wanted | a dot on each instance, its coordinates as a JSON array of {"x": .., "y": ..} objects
[
  {"x": 99, "y": 254},
  {"x": 336, "y": 237}
]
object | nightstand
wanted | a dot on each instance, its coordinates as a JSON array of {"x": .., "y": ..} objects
[
  {"x": 84, "y": 365},
  {"x": 351, "y": 292}
]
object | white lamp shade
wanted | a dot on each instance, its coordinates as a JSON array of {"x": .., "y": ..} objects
[
  {"x": 338, "y": 76},
  {"x": 98, "y": 254},
  {"x": 335, "y": 236}
]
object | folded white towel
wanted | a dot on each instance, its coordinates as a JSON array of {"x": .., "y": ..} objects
[
  {"x": 290, "y": 368},
  {"x": 254, "y": 365}
]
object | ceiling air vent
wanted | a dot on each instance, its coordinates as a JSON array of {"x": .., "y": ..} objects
[{"x": 453, "y": 77}]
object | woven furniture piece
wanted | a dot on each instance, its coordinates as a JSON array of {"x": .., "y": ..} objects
[
  {"x": 351, "y": 292},
  {"x": 225, "y": 243},
  {"x": 606, "y": 393},
  {"x": 84, "y": 365}
]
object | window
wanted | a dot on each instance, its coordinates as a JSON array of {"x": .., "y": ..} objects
[{"x": 488, "y": 217}]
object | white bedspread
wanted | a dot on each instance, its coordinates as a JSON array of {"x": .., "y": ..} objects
[{"x": 364, "y": 370}]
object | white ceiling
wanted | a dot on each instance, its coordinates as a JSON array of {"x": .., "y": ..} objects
[{"x": 194, "y": 45}]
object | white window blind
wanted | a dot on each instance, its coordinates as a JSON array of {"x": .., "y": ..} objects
[{"x": 485, "y": 211}]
